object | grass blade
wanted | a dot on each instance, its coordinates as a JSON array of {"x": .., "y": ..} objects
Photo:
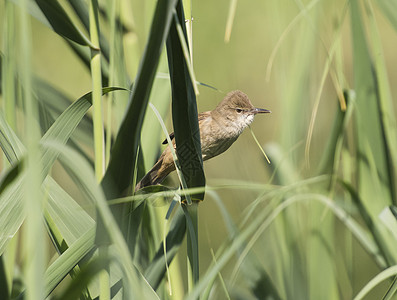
[
  {"x": 187, "y": 132},
  {"x": 11, "y": 200},
  {"x": 157, "y": 268},
  {"x": 389, "y": 272},
  {"x": 118, "y": 176},
  {"x": 122, "y": 163},
  {"x": 134, "y": 284},
  {"x": 61, "y": 23},
  {"x": 385, "y": 103},
  {"x": 81, "y": 9},
  {"x": 370, "y": 138},
  {"x": 184, "y": 110},
  {"x": 66, "y": 262}
]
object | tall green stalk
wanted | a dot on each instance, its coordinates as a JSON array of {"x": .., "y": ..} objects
[
  {"x": 98, "y": 127},
  {"x": 113, "y": 11},
  {"x": 186, "y": 128},
  {"x": 96, "y": 92},
  {"x": 33, "y": 234},
  {"x": 191, "y": 212}
]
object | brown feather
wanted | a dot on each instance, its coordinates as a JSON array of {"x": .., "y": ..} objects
[
  {"x": 201, "y": 116},
  {"x": 165, "y": 164}
]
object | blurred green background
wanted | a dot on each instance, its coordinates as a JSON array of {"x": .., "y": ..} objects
[{"x": 277, "y": 54}]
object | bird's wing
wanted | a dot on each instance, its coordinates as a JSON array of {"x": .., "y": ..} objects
[
  {"x": 201, "y": 117},
  {"x": 172, "y": 135},
  {"x": 204, "y": 115}
]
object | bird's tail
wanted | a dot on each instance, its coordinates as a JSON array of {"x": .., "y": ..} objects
[{"x": 154, "y": 176}]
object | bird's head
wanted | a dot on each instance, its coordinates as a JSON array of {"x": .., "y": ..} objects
[{"x": 237, "y": 107}]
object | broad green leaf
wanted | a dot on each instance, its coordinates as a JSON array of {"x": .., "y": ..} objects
[
  {"x": 10, "y": 174},
  {"x": 9, "y": 142},
  {"x": 56, "y": 102},
  {"x": 70, "y": 217},
  {"x": 12, "y": 212},
  {"x": 374, "y": 130},
  {"x": 389, "y": 8},
  {"x": 66, "y": 262},
  {"x": 119, "y": 174},
  {"x": 11, "y": 206},
  {"x": 64, "y": 126},
  {"x": 157, "y": 268},
  {"x": 134, "y": 284},
  {"x": 186, "y": 129},
  {"x": 370, "y": 135},
  {"x": 124, "y": 153},
  {"x": 184, "y": 109},
  {"x": 61, "y": 23},
  {"x": 385, "y": 103},
  {"x": 11, "y": 199},
  {"x": 4, "y": 286},
  {"x": 85, "y": 276}
]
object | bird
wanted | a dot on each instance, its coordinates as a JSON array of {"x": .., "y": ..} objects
[{"x": 219, "y": 129}]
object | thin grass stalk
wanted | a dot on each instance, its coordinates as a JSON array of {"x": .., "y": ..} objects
[
  {"x": 96, "y": 75},
  {"x": 186, "y": 129},
  {"x": 104, "y": 275},
  {"x": 191, "y": 212},
  {"x": 113, "y": 10},
  {"x": 96, "y": 92},
  {"x": 33, "y": 235},
  {"x": 174, "y": 270},
  {"x": 230, "y": 20},
  {"x": 187, "y": 4},
  {"x": 186, "y": 54}
]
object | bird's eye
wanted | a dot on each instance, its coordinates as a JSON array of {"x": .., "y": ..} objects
[{"x": 239, "y": 110}]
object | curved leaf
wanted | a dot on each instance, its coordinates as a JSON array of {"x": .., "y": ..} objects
[
  {"x": 184, "y": 109},
  {"x": 67, "y": 122},
  {"x": 72, "y": 256},
  {"x": 123, "y": 158},
  {"x": 11, "y": 206},
  {"x": 121, "y": 167},
  {"x": 61, "y": 23},
  {"x": 389, "y": 272},
  {"x": 135, "y": 286}
]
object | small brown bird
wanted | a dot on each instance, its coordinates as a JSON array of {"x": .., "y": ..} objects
[{"x": 219, "y": 129}]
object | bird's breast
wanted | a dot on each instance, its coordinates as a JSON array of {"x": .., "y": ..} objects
[{"x": 216, "y": 137}]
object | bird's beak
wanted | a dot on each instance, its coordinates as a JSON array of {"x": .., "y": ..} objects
[{"x": 261, "y": 111}]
